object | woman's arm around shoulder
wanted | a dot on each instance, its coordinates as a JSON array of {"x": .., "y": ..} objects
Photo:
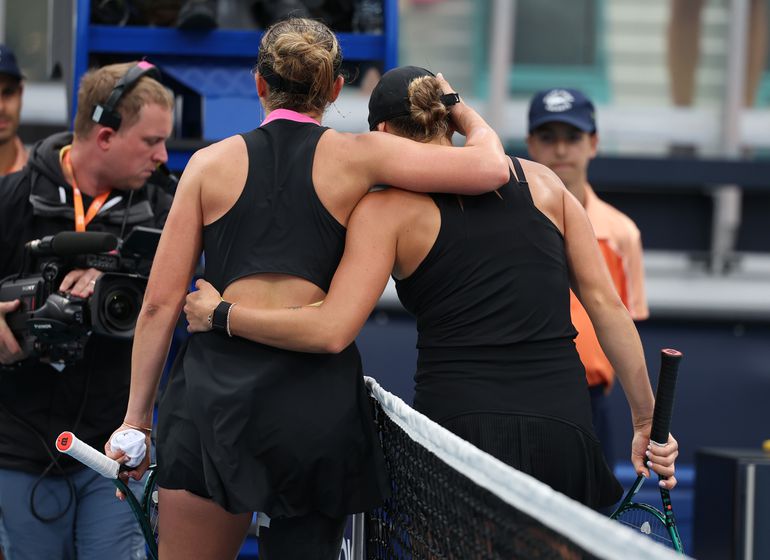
[
  {"x": 386, "y": 159},
  {"x": 370, "y": 249}
]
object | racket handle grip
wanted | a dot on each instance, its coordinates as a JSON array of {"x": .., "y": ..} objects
[
  {"x": 664, "y": 395},
  {"x": 90, "y": 457}
]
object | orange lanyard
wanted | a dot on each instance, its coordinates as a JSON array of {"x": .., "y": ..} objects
[{"x": 81, "y": 219}]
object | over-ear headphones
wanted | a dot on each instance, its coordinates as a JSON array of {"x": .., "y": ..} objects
[{"x": 106, "y": 114}]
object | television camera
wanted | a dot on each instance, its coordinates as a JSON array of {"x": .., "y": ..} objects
[{"x": 53, "y": 326}]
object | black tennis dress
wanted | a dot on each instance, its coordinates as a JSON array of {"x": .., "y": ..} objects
[
  {"x": 253, "y": 427},
  {"x": 497, "y": 364}
]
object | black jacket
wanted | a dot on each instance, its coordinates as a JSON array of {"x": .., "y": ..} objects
[{"x": 38, "y": 402}]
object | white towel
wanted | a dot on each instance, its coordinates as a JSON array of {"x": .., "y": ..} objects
[{"x": 130, "y": 442}]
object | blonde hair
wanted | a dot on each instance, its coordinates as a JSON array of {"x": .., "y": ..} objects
[
  {"x": 429, "y": 117},
  {"x": 96, "y": 86},
  {"x": 305, "y": 52}
]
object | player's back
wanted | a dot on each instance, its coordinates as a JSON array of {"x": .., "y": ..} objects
[{"x": 496, "y": 275}]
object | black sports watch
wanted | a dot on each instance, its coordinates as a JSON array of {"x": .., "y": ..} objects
[{"x": 449, "y": 99}]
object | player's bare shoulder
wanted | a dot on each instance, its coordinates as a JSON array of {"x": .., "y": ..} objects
[
  {"x": 541, "y": 177},
  {"x": 384, "y": 200},
  {"x": 226, "y": 160},
  {"x": 545, "y": 186},
  {"x": 394, "y": 206},
  {"x": 342, "y": 153},
  {"x": 353, "y": 146},
  {"x": 344, "y": 142},
  {"x": 220, "y": 154},
  {"x": 220, "y": 170},
  {"x": 547, "y": 190}
]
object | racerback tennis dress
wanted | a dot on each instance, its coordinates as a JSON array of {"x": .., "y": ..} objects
[
  {"x": 257, "y": 428},
  {"x": 497, "y": 363}
]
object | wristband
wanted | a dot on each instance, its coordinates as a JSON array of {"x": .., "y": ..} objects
[{"x": 219, "y": 319}]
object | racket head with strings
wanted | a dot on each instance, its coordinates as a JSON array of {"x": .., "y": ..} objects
[
  {"x": 150, "y": 501},
  {"x": 68, "y": 443},
  {"x": 644, "y": 518},
  {"x": 148, "y": 525}
]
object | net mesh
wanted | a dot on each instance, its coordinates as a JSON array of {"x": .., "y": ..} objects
[{"x": 450, "y": 500}]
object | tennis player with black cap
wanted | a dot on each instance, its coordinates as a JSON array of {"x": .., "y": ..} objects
[
  {"x": 387, "y": 101},
  {"x": 13, "y": 154},
  {"x": 563, "y": 137},
  {"x": 487, "y": 278}
]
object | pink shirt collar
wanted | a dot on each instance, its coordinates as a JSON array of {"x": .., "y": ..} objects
[{"x": 288, "y": 114}]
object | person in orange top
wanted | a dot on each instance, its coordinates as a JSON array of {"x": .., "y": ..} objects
[
  {"x": 562, "y": 136},
  {"x": 13, "y": 154}
]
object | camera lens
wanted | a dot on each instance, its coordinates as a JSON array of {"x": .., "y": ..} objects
[
  {"x": 121, "y": 307},
  {"x": 115, "y": 304}
]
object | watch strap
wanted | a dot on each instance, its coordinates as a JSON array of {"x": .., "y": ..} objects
[{"x": 449, "y": 99}]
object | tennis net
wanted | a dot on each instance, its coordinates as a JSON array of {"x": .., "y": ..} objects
[{"x": 452, "y": 501}]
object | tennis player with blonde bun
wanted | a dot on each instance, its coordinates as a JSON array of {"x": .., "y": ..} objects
[{"x": 244, "y": 427}]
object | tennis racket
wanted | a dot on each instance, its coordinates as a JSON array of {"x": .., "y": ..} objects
[
  {"x": 145, "y": 510},
  {"x": 659, "y": 525}
]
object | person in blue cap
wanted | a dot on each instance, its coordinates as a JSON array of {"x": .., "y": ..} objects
[
  {"x": 13, "y": 154},
  {"x": 562, "y": 136}
]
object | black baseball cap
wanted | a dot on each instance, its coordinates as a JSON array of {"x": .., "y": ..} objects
[
  {"x": 390, "y": 97},
  {"x": 570, "y": 106},
  {"x": 8, "y": 63}
]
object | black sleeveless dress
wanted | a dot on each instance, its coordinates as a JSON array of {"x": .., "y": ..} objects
[
  {"x": 497, "y": 364},
  {"x": 257, "y": 428}
]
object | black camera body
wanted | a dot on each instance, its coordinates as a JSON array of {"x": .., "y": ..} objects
[{"x": 53, "y": 326}]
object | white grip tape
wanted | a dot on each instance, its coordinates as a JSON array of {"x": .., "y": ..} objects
[{"x": 90, "y": 457}]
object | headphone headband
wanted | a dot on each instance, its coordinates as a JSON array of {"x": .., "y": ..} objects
[{"x": 107, "y": 114}]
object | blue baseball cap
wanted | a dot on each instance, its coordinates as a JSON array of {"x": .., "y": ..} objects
[
  {"x": 8, "y": 63},
  {"x": 570, "y": 106}
]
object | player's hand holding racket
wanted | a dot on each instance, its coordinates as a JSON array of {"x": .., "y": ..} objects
[
  {"x": 145, "y": 509},
  {"x": 659, "y": 525},
  {"x": 135, "y": 461},
  {"x": 647, "y": 456}
]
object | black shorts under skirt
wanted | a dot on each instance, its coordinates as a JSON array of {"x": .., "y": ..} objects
[{"x": 257, "y": 428}]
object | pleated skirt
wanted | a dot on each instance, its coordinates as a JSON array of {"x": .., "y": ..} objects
[
  {"x": 553, "y": 451},
  {"x": 257, "y": 428}
]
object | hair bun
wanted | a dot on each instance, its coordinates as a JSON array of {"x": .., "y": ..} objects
[
  {"x": 427, "y": 110},
  {"x": 304, "y": 54}
]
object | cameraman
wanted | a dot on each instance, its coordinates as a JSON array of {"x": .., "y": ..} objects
[{"x": 97, "y": 180}]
